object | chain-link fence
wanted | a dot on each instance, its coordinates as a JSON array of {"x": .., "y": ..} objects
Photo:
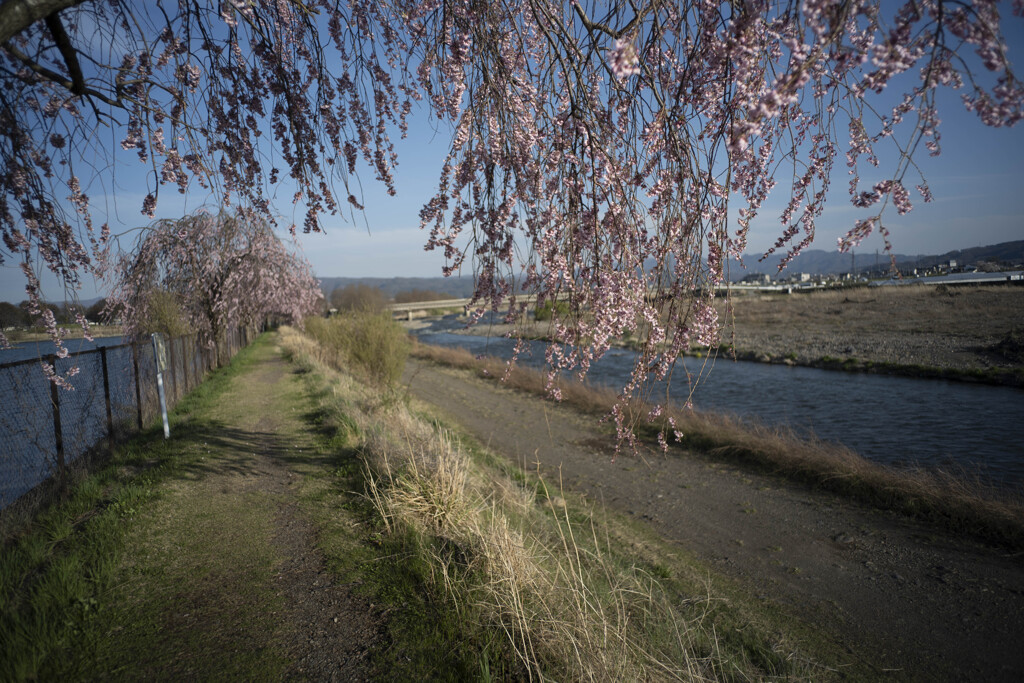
[{"x": 45, "y": 430}]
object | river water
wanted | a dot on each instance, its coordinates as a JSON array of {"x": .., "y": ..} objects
[
  {"x": 889, "y": 419},
  {"x": 42, "y": 349}
]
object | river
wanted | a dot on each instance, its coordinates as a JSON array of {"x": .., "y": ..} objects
[
  {"x": 894, "y": 420},
  {"x": 42, "y": 349}
]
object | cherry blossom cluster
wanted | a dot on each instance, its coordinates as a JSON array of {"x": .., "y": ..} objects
[
  {"x": 610, "y": 142},
  {"x": 224, "y": 97},
  {"x": 223, "y": 269},
  {"x": 599, "y": 153}
]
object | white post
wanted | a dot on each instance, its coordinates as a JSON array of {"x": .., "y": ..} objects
[{"x": 160, "y": 356}]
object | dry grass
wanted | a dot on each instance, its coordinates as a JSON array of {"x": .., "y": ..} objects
[
  {"x": 369, "y": 340},
  {"x": 974, "y": 312},
  {"x": 499, "y": 556},
  {"x": 951, "y": 500},
  {"x": 959, "y": 332},
  {"x": 514, "y": 557}
]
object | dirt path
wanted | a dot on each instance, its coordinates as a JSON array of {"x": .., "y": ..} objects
[
  {"x": 912, "y": 601},
  {"x": 331, "y": 630},
  {"x": 225, "y": 580}
]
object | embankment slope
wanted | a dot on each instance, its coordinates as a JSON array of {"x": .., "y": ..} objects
[{"x": 913, "y": 601}]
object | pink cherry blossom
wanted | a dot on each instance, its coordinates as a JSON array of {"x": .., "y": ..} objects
[{"x": 597, "y": 150}]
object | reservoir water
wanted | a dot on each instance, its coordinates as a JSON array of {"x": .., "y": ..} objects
[{"x": 894, "y": 420}]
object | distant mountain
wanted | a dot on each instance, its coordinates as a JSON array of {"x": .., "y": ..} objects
[
  {"x": 1005, "y": 253},
  {"x": 810, "y": 261},
  {"x": 815, "y": 261},
  {"x": 833, "y": 262},
  {"x": 457, "y": 287}
]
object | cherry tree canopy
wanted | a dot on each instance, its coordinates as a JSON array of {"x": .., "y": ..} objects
[
  {"x": 613, "y": 153},
  {"x": 223, "y": 270}
]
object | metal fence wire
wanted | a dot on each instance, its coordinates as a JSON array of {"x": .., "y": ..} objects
[{"x": 44, "y": 429}]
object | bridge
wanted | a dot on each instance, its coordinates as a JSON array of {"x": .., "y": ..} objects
[
  {"x": 782, "y": 287},
  {"x": 407, "y": 309}
]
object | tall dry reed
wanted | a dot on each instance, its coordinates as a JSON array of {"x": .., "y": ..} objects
[{"x": 510, "y": 559}]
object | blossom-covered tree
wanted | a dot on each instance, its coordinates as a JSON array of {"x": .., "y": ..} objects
[
  {"x": 611, "y": 153},
  {"x": 226, "y": 98},
  {"x": 222, "y": 270}
]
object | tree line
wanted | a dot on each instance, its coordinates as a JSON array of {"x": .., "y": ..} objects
[{"x": 19, "y": 316}]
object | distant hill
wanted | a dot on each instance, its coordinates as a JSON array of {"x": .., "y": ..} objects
[
  {"x": 811, "y": 261},
  {"x": 826, "y": 262},
  {"x": 457, "y": 287}
]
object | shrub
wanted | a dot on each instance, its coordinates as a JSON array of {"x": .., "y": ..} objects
[
  {"x": 165, "y": 315},
  {"x": 549, "y": 309},
  {"x": 358, "y": 298},
  {"x": 12, "y": 316},
  {"x": 97, "y": 312},
  {"x": 1011, "y": 346},
  {"x": 370, "y": 341}
]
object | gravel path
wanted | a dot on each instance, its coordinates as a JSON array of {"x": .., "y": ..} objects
[
  {"x": 330, "y": 631},
  {"x": 913, "y": 602},
  {"x": 231, "y": 558}
]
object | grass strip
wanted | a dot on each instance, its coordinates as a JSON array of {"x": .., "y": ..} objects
[
  {"x": 490, "y": 572},
  {"x": 68, "y": 611}
]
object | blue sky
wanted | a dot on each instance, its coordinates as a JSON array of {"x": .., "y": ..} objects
[{"x": 978, "y": 183}]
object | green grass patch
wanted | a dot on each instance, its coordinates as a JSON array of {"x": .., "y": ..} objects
[
  {"x": 551, "y": 309},
  {"x": 195, "y": 595},
  {"x": 74, "y": 602}
]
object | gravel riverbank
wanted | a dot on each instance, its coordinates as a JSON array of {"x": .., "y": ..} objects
[{"x": 966, "y": 332}]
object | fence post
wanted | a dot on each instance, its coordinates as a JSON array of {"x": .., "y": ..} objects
[
  {"x": 106, "y": 392},
  {"x": 174, "y": 375},
  {"x": 57, "y": 434},
  {"x": 186, "y": 364},
  {"x": 138, "y": 387}
]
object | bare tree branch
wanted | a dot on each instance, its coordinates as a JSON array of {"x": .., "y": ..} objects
[
  {"x": 67, "y": 51},
  {"x": 18, "y": 15}
]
